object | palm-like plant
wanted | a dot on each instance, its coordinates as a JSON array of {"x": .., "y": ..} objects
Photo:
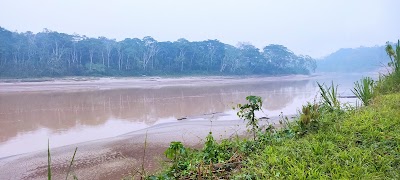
[
  {"x": 394, "y": 55},
  {"x": 364, "y": 90},
  {"x": 329, "y": 96}
]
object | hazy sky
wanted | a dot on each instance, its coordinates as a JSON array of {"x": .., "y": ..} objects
[{"x": 312, "y": 27}]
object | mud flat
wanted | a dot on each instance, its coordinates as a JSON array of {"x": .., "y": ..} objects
[
  {"x": 93, "y": 84},
  {"x": 116, "y": 157}
]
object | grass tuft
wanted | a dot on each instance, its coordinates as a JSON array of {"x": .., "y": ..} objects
[{"x": 364, "y": 90}]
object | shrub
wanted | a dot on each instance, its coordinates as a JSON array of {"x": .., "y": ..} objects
[
  {"x": 329, "y": 96},
  {"x": 364, "y": 90},
  {"x": 247, "y": 112}
]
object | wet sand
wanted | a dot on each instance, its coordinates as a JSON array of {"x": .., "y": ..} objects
[
  {"x": 93, "y": 84},
  {"x": 117, "y": 157}
]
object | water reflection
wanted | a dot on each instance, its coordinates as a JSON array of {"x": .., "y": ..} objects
[{"x": 81, "y": 116}]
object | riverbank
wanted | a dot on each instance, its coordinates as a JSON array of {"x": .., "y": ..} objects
[
  {"x": 352, "y": 144},
  {"x": 359, "y": 144},
  {"x": 327, "y": 141},
  {"x": 94, "y": 84},
  {"x": 116, "y": 157}
]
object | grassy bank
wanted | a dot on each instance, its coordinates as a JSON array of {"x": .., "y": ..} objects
[
  {"x": 352, "y": 144},
  {"x": 327, "y": 141},
  {"x": 358, "y": 144}
]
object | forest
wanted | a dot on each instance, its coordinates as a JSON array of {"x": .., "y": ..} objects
[{"x": 53, "y": 54}]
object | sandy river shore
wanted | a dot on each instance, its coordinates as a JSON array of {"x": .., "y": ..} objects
[
  {"x": 116, "y": 157},
  {"x": 93, "y": 84}
]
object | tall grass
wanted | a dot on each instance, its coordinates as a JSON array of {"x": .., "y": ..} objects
[
  {"x": 391, "y": 82},
  {"x": 70, "y": 165},
  {"x": 49, "y": 173},
  {"x": 394, "y": 55},
  {"x": 48, "y": 161},
  {"x": 364, "y": 90},
  {"x": 329, "y": 96}
]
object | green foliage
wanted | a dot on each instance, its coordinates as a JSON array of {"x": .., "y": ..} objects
[
  {"x": 70, "y": 165},
  {"x": 329, "y": 97},
  {"x": 54, "y": 54},
  {"x": 213, "y": 160},
  {"x": 364, "y": 90},
  {"x": 391, "y": 82},
  {"x": 309, "y": 115},
  {"x": 360, "y": 144},
  {"x": 49, "y": 173},
  {"x": 174, "y": 150},
  {"x": 210, "y": 149},
  {"x": 247, "y": 112},
  {"x": 394, "y": 55}
]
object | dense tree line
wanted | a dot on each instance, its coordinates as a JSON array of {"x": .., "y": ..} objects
[{"x": 51, "y": 53}]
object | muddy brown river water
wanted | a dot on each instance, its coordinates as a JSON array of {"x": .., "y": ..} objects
[{"x": 68, "y": 112}]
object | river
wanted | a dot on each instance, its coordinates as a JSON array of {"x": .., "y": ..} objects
[
  {"x": 29, "y": 118},
  {"x": 109, "y": 119}
]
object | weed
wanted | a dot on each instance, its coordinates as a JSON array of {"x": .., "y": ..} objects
[
  {"x": 174, "y": 150},
  {"x": 49, "y": 173},
  {"x": 70, "y": 165},
  {"x": 309, "y": 114},
  {"x": 364, "y": 90},
  {"x": 329, "y": 96},
  {"x": 140, "y": 172},
  {"x": 390, "y": 83},
  {"x": 247, "y": 112},
  {"x": 48, "y": 161}
]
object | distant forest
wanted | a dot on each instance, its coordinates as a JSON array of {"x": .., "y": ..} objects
[
  {"x": 362, "y": 59},
  {"x": 54, "y": 54}
]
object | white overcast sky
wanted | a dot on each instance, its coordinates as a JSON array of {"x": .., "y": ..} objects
[{"x": 310, "y": 27}]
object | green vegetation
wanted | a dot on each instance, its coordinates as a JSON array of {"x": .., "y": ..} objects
[
  {"x": 329, "y": 140},
  {"x": 329, "y": 96},
  {"x": 358, "y": 144},
  {"x": 49, "y": 173},
  {"x": 390, "y": 83},
  {"x": 309, "y": 115},
  {"x": 247, "y": 112},
  {"x": 48, "y": 161},
  {"x": 54, "y": 54},
  {"x": 364, "y": 90}
]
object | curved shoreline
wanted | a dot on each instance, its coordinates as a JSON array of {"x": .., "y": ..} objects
[
  {"x": 72, "y": 85},
  {"x": 115, "y": 157}
]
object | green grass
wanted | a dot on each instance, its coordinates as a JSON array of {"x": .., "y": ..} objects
[
  {"x": 329, "y": 96},
  {"x": 359, "y": 144},
  {"x": 346, "y": 144},
  {"x": 364, "y": 90},
  {"x": 49, "y": 172}
]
